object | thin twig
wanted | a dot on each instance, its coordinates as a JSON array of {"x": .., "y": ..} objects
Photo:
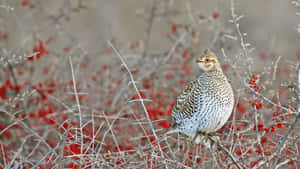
[
  {"x": 25, "y": 126},
  {"x": 190, "y": 14},
  {"x": 257, "y": 133},
  {"x": 152, "y": 71},
  {"x": 18, "y": 152},
  {"x": 284, "y": 138},
  {"x": 265, "y": 98},
  {"x": 275, "y": 68},
  {"x": 220, "y": 146},
  {"x": 235, "y": 20},
  {"x": 165, "y": 59},
  {"x": 136, "y": 90},
  {"x": 78, "y": 104},
  {"x": 292, "y": 126},
  {"x": 148, "y": 30}
]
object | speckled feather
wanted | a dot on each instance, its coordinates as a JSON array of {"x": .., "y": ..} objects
[{"x": 204, "y": 105}]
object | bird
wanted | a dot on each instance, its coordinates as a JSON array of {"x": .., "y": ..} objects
[{"x": 206, "y": 103}]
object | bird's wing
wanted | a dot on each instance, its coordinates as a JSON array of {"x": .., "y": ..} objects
[{"x": 186, "y": 102}]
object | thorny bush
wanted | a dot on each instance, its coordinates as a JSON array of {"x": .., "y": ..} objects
[{"x": 65, "y": 107}]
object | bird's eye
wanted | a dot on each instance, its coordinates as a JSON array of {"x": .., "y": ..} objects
[{"x": 206, "y": 60}]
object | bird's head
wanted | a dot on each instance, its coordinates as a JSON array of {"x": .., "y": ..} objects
[{"x": 208, "y": 61}]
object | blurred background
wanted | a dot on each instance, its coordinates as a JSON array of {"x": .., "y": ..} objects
[{"x": 270, "y": 25}]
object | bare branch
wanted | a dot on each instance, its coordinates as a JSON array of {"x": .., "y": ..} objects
[
  {"x": 136, "y": 90},
  {"x": 292, "y": 126}
]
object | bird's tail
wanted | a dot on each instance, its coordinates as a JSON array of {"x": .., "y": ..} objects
[{"x": 172, "y": 131}]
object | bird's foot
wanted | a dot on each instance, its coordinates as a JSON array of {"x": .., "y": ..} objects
[
  {"x": 208, "y": 139},
  {"x": 189, "y": 139}
]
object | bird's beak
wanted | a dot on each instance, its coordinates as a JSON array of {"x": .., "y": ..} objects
[{"x": 199, "y": 61}]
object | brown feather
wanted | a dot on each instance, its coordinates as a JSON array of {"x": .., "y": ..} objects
[{"x": 185, "y": 103}]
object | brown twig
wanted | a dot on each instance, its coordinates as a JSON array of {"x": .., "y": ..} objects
[
  {"x": 148, "y": 30},
  {"x": 292, "y": 126},
  {"x": 221, "y": 147},
  {"x": 133, "y": 82}
]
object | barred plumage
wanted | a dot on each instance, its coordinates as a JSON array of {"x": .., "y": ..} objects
[{"x": 206, "y": 103}]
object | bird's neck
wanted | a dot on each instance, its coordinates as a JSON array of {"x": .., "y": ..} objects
[{"x": 215, "y": 72}]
